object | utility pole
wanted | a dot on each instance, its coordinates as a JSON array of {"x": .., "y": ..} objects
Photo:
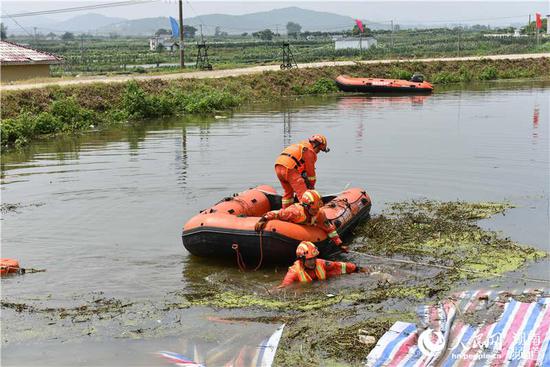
[
  {"x": 35, "y": 38},
  {"x": 459, "y": 29},
  {"x": 361, "y": 43},
  {"x": 392, "y": 33},
  {"x": 182, "y": 65}
]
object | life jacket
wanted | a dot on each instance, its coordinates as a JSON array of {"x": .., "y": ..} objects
[
  {"x": 307, "y": 144},
  {"x": 292, "y": 156},
  {"x": 304, "y": 277}
]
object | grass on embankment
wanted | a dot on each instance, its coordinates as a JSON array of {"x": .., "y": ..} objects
[{"x": 28, "y": 114}]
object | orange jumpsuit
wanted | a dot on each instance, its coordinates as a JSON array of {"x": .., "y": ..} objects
[
  {"x": 323, "y": 269},
  {"x": 296, "y": 213},
  {"x": 289, "y": 166}
]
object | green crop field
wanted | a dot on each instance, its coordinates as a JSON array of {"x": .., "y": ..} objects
[{"x": 96, "y": 55}]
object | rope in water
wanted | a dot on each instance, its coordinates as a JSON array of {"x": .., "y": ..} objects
[
  {"x": 240, "y": 259},
  {"x": 22, "y": 271},
  {"x": 546, "y": 281}
]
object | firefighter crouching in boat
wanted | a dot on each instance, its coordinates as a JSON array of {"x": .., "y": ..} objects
[
  {"x": 295, "y": 167},
  {"x": 308, "y": 267},
  {"x": 308, "y": 211}
]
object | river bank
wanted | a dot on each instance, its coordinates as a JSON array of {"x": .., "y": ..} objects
[{"x": 30, "y": 114}]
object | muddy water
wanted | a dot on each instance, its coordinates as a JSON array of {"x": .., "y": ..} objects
[{"x": 103, "y": 212}]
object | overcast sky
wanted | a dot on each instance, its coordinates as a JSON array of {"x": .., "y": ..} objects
[{"x": 429, "y": 12}]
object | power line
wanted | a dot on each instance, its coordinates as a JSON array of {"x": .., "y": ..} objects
[
  {"x": 20, "y": 26},
  {"x": 77, "y": 8}
]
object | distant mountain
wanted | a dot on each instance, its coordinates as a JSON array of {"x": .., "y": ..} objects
[
  {"x": 87, "y": 23},
  {"x": 137, "y": 27},
  {"x": 275, "y": 20},
  {"x": 236, "y": 24},
  {"x": 80, "y": 24}
]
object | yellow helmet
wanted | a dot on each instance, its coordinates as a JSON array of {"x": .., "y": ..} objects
[
  {"x": 319, "y": 141},
  {"x": 312, "y": 199},
  {"x": 307, "y": 250}
]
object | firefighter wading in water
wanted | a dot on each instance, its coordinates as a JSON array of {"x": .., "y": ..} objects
[
  {"x": 309, "y": 212},
  {"x": 295, "y": 167},
  {"x": 308, "y": 267}
]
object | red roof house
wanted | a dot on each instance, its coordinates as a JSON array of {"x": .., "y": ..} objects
[{"x": 19, "y": 62}]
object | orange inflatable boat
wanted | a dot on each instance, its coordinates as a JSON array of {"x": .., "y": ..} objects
[
  {"x": 8, "y": 266},
  {"x": 374, "y": 85},
  {"x": 226, "y": 230}
]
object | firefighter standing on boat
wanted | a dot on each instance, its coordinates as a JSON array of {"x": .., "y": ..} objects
[{"x": 295, "y": 167}]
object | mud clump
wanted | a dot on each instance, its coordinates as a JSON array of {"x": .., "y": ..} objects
[
  {"x": 14, "y": 207},
  {"x": 7, "y": 207},
  {"x": 99, "y": 307}
]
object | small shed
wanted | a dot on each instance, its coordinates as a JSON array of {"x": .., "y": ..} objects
[
  {"x": 18, "y": 62},
  {"x": 166, "y": 42},
  {"x": 355, "y": 43}
]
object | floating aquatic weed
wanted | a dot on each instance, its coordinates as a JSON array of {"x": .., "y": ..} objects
[{"x": 446, "y": 233}]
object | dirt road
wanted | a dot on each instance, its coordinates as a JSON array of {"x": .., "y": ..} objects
[{"x": 248, "y": 70}]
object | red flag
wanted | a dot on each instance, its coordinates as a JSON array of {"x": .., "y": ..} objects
[
  {"x": 360, "y": 25},
  {"x": 539, "y": 20}
]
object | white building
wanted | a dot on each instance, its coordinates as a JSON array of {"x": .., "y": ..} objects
[
  {"x": 505, "y": 35},
  {"x": 354, "y": 43},
  {"x": 165, "y": 40}
]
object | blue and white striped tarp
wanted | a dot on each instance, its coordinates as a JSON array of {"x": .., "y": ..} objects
[{"x": 519, "y": 337}]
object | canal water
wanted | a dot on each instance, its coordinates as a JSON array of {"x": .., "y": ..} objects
[{"x": 103, "y": 212}]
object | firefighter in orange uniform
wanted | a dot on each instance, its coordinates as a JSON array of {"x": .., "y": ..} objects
[
  {"x": 308, "y": 211},
  {"x": 295, "y": 167},
  {"x": 308, "y": 267}
]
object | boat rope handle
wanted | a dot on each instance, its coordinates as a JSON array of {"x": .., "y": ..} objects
[
  {"x": 240, "y": 259},
  {"x": 261, "y": 251}
]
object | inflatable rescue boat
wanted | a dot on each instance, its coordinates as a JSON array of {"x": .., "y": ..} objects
[
  {"x": 226, "y": 230},
  {"x": 374, "y": 85},
  {"x": 9, "y": 266}
]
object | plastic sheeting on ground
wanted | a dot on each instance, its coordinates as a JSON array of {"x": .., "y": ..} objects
[
  {"x": 473, "y": 328},
  {"x": 261, "y": 355}
]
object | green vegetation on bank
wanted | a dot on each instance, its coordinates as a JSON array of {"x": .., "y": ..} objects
[{"x": 28, "y": 114}]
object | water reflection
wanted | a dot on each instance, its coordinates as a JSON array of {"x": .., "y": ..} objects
[
  {"x": 181, "y": 157},
  {"x": 287, "y": 133},
  {"x": 363, "y": 105},
  {"x": 535, "y": 123},
  {"x": 135, "y": 136}
]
